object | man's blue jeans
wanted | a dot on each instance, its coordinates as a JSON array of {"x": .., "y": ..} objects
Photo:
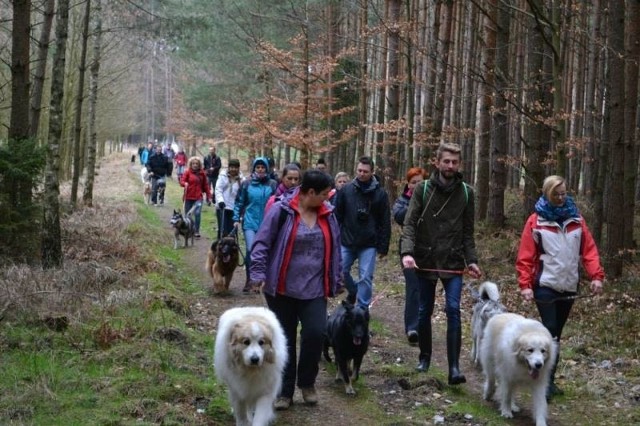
[
  {"x": 363, "y": 288},
  {"x": 453, "y": 292}
]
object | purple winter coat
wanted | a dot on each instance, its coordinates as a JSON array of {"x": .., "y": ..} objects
[{"x": 267, "y": 253}]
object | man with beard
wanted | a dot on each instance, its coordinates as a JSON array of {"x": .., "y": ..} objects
[{"x": 437, "y": 240}]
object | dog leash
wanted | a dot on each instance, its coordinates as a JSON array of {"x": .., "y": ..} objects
[
  {"x": 563, "y": 298},
  {"x": 446, "y": 271}
]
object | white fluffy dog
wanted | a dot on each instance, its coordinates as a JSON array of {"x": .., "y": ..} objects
[
  {"x": 517, "y": 351},
  {"x": 487, "y": 305},
  {"x": 250, "y": 355}
]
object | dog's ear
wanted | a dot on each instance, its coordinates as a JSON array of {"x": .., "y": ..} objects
[{"x": 269, "y": 353}]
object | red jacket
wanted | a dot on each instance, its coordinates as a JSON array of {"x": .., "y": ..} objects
[
  {"x": 181, "y": 159},
  {"x": 550, "y": 254},
  {"x": 195, "y": 184}
]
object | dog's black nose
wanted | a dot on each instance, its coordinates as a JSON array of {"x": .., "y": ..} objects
[
  {"x": 539, "y": 365},
  {"x": 255, "y": 360}
]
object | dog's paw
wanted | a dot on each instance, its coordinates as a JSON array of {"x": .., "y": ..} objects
[
  {"x": 507, "y": 414},
  {"x": 515, "y": 408},
  {"x": 349, "y": 390}
]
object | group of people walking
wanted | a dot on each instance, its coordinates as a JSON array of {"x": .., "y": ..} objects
[{"x": 305, "y": 231}]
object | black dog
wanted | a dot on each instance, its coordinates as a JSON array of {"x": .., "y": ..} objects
[
  {"x": 348, "y": 335},
  {"x": 183, "y": 225}
]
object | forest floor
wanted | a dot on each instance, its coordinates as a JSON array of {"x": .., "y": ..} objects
[
  {"x": 599, "y": 368},
  {"x": 390, "y": 391}
]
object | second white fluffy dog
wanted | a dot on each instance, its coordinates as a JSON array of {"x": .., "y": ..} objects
[
  {"x": 250, "y": 354},
  {"x": 517, "y": 352}
]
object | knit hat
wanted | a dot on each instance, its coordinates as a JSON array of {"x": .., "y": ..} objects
[{"x": 234, "y": 162}]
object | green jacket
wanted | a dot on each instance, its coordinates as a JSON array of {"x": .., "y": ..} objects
[{"x": 438, "y": 228}]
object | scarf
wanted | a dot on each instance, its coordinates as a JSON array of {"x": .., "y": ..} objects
[{"x": 557, "y": 213}]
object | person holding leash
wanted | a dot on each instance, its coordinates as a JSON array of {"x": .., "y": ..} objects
[
  {"x": 438, "y": 242},
  {"x": 295, "y": 260},
  {"x": 227, "y": 187},
  {"x": 194, "y": 181},
  {"x": 554, "y": 240}
]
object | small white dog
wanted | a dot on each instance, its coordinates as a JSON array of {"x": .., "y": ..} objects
[
  {"x": 487, "y": 305},
  {"x": 517, "y": 351},
  {"x": 250, "y": 355}
]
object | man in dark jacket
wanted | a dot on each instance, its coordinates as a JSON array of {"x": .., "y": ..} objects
[
  {"x": 212, "y": 166},
  {"x": 362, "y": 209},
  {"x": 437, "y": 240},
  {"x": 158, "y": 166}
]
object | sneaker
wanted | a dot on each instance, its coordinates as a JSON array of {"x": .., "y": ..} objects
[
  {"x": 412, "y": 337},
  {"x": 197, "y": 235},
  {"x": 309, "y": 395},
  {"x": 282, "y": 403}
]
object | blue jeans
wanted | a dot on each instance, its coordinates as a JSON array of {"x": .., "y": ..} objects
[
  {"x": 249, "y": 236},
  {"x": 197, "y": 213},
  {"x": 312, "y": 316},
  {"x": 363, "y": 288},
  {"x": 453, "y": 292},
  {"x": 411, "y": 300}
]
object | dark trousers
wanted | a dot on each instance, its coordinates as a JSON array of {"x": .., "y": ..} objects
[
  {"x": 225, "y": 222},
  {"x": 312, "y": 315},
  {"x": 411, "y": 300},
  {"x": 553, "y": 315}
]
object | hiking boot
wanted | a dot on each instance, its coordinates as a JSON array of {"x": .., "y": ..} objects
[
  {"x": 197, "y": 235},
  {"x": 309, "y": 395},
  {"x": 553, "y": 390},
  {"x": 282, "y": 403}
]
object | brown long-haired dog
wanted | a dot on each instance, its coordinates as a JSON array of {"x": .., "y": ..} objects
[{"x": 222, "y": 261}]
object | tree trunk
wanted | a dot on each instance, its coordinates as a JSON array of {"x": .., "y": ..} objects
[
  {"x": 51, "y": 234},
  {"x": 615, "y": 188},
  {"x": 41, "y": 67},
  {"x": 537, "y": 109},
  {"x": 388, "y": 168},
  {"x": 77, "y": 128},
  {"x": 632, "y": 56},
  {"x": 87, "y": 196},
  {"x": 500, "y": 133},
  {"x": 485, "y": 107}
]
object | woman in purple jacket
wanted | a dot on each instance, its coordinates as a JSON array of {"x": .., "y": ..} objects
[{"x": 295, "y": 234}]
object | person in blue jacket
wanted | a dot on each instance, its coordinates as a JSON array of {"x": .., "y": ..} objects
[{"x": 250, "y": 206}]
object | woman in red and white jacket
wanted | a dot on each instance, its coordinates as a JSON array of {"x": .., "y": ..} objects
[
  {"x": 554, "y": 241},
  {"x": 194, "y": 181}
]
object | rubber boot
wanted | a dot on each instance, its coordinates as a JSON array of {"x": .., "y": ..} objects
[
  {"x": 552, "y": 389},
  {"x": 424, "y": 343},
  {"x": 454, "y": 343}
]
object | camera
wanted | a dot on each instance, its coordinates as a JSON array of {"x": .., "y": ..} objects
[{"x": 362, "y": 214}]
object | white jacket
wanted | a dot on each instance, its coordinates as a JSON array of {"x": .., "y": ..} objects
[{"x": 227, "y": 190}]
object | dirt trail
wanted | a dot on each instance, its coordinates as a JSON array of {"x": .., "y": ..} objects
[{"x": 389, "y": 351}]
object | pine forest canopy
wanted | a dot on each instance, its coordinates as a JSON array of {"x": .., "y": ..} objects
[{"x": 528, "y": 88}]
